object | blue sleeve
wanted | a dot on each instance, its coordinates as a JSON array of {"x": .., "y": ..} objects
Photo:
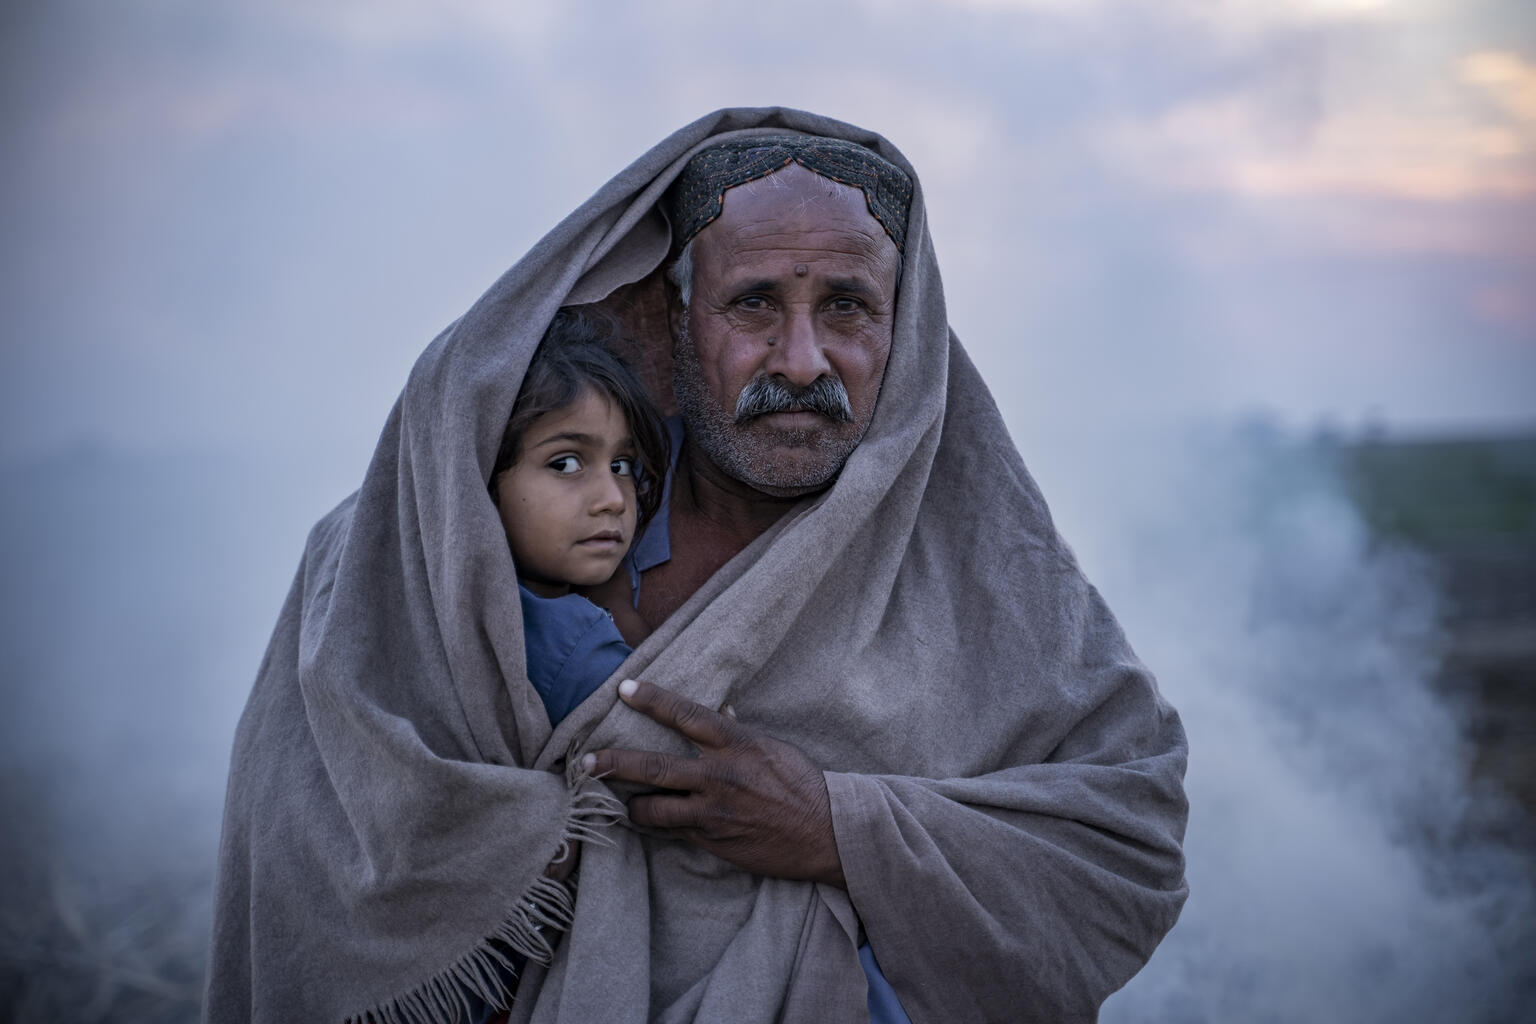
[
  {"x": 572, "y": 647},
  {"x": 598, "y": 651}
]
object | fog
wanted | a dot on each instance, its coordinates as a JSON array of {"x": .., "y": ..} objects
[
  {"x": 1342, "y": 867},
  {"x": 229, "y": 232}
]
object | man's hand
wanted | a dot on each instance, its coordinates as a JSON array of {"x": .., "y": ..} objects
[{"x": 747, "y": 798}]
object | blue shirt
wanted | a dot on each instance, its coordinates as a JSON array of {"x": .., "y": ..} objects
[{"x": 572, "y": 645}]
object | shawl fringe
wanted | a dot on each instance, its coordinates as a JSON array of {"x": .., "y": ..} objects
[{"x": 531, "y": 930}]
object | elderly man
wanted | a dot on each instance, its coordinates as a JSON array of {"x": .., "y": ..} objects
[
  {"x": 938, "y": 752},
  {"x": 781, "y": 311}
]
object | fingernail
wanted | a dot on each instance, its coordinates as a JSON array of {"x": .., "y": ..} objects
[
  {"x": 628, "y": 687},
  {"x": 588, "y": 763}
]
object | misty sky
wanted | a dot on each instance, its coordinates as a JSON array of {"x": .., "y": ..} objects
[{"x": 237, "y": 224}]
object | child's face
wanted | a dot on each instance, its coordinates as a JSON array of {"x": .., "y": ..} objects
[{"x": 568, "y": 502}]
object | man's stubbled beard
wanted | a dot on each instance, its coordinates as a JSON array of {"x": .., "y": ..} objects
[{"x": 778, "y": 462}]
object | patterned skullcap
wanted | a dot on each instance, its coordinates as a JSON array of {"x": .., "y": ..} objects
[{"x": 698, "y": 195}]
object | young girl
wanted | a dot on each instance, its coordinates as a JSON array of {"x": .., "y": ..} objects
[{"x": 578, "y": 475}]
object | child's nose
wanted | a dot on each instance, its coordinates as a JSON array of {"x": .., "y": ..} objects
[{"x": 609, "y": 496}]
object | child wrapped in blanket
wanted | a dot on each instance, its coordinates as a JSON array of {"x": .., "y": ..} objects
[{"x": 579, "y": 474}]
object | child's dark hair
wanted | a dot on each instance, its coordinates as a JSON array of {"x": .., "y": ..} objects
[{"x": 574, "y": 354}]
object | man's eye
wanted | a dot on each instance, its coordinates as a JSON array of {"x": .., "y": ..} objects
[
  {"x": 752, "y": 302},
  {"x": 622, "y": 467},
  {"x": 846, "y": 305},
  {"x": 565, "y": 464}
]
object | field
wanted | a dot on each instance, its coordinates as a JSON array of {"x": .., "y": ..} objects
[{"x": 1470, "y": 506}]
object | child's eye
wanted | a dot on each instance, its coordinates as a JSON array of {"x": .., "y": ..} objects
[
  {"x": 623, "y": 467},
  {"x": 565, "y": 464}
]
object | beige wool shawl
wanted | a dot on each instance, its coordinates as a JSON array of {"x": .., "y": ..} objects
[{"x": 1005, "y": 779}]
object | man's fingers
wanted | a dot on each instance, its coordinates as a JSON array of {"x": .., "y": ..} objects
[
  {"x": 704, "y": 727},
  {"x": 665, "y": 811},
  {"x": 664, "y": 771}
]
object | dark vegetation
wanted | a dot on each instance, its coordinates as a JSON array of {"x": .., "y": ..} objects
[{"x": 1470, "y": 506}]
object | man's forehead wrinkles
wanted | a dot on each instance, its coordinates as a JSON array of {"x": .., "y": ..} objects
[
  {"x": 741, "y": 266},
  {"x": 842, "y": 278},
  {"x": 799, "y": 201},
  {"x": 819, "y": 265},
  {"x": 770, "y": 243},
  {"x": 775, "y": 234}
]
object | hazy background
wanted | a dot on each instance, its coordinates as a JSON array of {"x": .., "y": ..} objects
[{"x": 1183, "y": 239}]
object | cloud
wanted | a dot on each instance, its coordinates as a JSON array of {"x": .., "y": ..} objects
[
  {"x": 381, "y": 25},
  {"x": 1508, "y": 79},
  {"x": 1431, "y": 140},
  {"x": 207, "y": 200},
  {"x": 1232, "y": 15}
]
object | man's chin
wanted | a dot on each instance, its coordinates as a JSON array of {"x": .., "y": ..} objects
[
  {"x": 791, "y": 490},
  {"x": 787, "y": 464}
]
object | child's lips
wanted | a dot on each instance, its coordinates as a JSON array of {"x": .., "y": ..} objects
[{"x": 607, "y": 538}]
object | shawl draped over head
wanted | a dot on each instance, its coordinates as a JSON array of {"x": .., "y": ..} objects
[{"x": 1005, "y": 779}]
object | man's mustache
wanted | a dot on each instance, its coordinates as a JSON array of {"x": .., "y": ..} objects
[{"x": 825, "y": 395}]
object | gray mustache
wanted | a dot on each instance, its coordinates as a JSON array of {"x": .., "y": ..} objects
[{"x": 824, "y": 395}]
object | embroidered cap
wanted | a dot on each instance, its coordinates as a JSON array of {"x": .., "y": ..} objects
[{"x": 698, "y": 195}]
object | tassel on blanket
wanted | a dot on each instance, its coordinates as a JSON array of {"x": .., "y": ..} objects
[{"x": 541, "y": 914}]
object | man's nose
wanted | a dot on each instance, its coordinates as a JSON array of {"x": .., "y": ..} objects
[{"x": 797, "y": 353}]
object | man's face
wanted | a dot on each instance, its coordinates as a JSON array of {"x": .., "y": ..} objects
[{"x": 793, "y": 284}]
